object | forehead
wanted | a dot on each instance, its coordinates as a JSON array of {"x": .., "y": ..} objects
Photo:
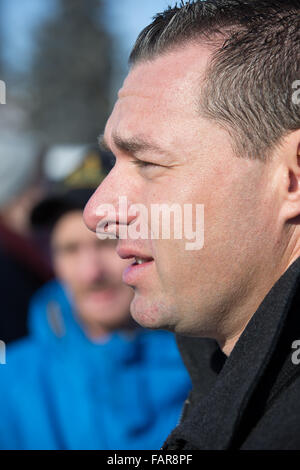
[
  {"x": 160, "y": 91},
  {"x": 71, "y": 228}
]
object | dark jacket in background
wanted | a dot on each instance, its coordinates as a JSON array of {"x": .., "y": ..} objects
[
  {"x": 254, "y": 401},
  {"x": 22, "y": 271}
]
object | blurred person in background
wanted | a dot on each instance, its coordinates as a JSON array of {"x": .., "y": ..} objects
[
  {"x": 207, "y": 114},
  {"x": 23, "y": 268},
  {"x": 88, "y": 377}
]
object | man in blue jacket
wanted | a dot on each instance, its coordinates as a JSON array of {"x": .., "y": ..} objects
[{"x": 87, "y": 377}]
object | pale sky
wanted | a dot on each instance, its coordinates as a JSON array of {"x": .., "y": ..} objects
[{"x": 125, "y": 18}]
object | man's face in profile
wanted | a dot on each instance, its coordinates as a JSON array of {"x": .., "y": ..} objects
[{"x": 186, "y": 159}]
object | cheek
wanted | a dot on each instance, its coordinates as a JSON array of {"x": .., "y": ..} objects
[
  {"x": 66, "y": 271},
  {"x": 174, "y": 266}
]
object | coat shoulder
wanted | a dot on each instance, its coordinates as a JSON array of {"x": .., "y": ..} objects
[{"x": 279, "y": 427}]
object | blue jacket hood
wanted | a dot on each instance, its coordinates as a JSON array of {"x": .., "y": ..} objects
[{"x": 60, "y": 390}]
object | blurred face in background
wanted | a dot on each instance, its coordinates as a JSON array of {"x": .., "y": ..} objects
[{"x": 92, "y": 271}]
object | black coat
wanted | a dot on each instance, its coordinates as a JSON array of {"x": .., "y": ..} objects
[
  {"x": 23, "y": 270},
  {"x": 254, "y": 401}
]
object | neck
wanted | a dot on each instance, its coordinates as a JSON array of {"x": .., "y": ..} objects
[
  {"x": 245, "y": 311},
  {"x": 96, "y": 332},
  {"x": 229, "y": 344}
]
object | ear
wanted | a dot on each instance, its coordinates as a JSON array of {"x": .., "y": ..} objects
[{"x": 290, "y": 177}]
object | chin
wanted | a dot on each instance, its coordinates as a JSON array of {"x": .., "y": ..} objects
[{"x": 148, "y": 314}]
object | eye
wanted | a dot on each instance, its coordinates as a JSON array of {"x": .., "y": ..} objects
[
  {"x": 67, "y": 249},
  {"x": 143, "y": 164}
]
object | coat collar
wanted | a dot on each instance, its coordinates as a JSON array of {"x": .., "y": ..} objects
[{"x": 217, "y": 416}]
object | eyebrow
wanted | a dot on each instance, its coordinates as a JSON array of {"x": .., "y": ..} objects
[{"x": 133, "y": 145}]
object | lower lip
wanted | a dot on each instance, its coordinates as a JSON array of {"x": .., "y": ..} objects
[{"x": 134, "y": 272}]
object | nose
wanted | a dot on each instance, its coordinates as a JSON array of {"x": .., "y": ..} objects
[
  {"x": 110, "y": 202},
  {"x": 90, "y": 212}
]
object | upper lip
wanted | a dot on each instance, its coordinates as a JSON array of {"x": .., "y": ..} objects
[{"x": 131, "y": 252}]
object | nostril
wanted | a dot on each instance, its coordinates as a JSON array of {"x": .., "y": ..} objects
[{"x": 89, "y": 218}]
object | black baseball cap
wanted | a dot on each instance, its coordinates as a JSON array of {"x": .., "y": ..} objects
[{"x": 72, "y": 173}]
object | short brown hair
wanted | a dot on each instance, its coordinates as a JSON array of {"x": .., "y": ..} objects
[{"x": 248, "y": 87}]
